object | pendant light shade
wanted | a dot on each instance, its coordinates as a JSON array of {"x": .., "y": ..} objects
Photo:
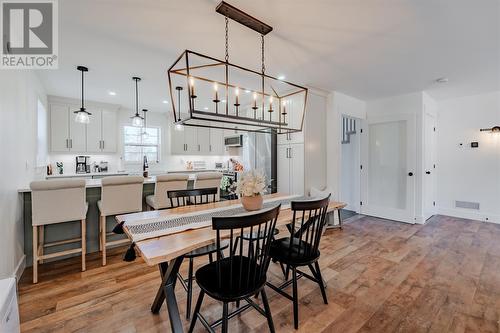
[
  {"x": 137, "y": 120},
  {"x": 82, "y": 115}
]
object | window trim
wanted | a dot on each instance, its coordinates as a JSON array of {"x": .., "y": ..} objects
[{"x": 158, "y": 145}]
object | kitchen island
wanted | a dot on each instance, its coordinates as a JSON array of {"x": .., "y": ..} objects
[{"x": 55, "y": 232}]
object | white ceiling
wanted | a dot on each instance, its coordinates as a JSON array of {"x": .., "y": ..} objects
[{"x": 366, "y": 49}]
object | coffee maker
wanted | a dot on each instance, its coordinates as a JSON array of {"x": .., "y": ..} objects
[{"x": 83, "y": 164}]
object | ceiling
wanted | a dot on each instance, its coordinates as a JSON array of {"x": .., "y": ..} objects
[{"x": 366, "y": 49}]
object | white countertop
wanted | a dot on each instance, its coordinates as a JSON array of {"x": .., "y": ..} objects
[{"x": 91, "y": 174}]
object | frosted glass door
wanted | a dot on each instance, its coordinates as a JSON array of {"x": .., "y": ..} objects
[{"x": 388, "y": 180}]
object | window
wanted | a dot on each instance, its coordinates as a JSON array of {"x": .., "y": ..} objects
[{"x": 140, "y": 141}]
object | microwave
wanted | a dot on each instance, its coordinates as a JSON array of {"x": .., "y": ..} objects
[{"x": 233, "y": 141}]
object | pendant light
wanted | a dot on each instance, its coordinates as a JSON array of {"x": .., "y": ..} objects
[
  {"x": 137, "y": 120},
  {"x": 82, "y": 115}
]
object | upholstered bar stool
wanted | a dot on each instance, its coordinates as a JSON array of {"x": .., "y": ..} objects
[
  {"x": 208, "y": 180},
  {"x": 165, "y": 183},
  {"x": 119, "y": 195},
  {"x": 57, "y": 201}
]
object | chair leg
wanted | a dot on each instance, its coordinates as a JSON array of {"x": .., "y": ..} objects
[
  {"x": 35, "y": 254},
  {"x": 295, "y": 299},
  {"x": 84, "y": 244},
  {"x": 189, "y": 288},
  {"x": 196, "y": 311},
  {"x": 224, "y": 317},
  {"x": 320, "y": 282},
  {"x": 103, "y": 239},
  {"x": 268, "y": 311}
]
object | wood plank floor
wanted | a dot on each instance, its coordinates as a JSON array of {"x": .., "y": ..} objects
[{"x": 382, "y": 276}]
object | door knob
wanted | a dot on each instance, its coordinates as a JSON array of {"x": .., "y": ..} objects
[
  {"x": 427, "y": 172},
  {"x": 410, "y": 174}
]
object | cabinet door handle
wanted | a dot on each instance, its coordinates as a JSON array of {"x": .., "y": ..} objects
[
  {"x": 199, "y": 147},
  {"x": 67, "y": 143},
  {"x": 291, "y": 153},
  {"x": 209, "y": 147},
  {"x": 102, "y": 144},
  {"x": 70, "y": 143}
]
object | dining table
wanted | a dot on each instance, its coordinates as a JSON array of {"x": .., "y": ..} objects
[{"x": 167, "y": 249}]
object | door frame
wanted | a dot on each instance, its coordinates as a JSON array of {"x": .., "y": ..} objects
[
  {"x": 356, "y": 207},
  {"x": 433, "y": 209},
  {"x": 407, "y": 215}
]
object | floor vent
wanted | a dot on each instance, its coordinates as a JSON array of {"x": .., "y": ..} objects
[{"x": 467, "y": 205}]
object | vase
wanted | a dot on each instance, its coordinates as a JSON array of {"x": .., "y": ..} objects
[{"x": 252, "y": 203}]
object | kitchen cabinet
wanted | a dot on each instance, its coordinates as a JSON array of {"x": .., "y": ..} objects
[
  {"x": 217, "y": 141},
  {"x": 102, "y": 132},
  {"x": 290, "y": 166},
  {"x": 65, "y": 134},
  {"x": 197, "y": 141}
]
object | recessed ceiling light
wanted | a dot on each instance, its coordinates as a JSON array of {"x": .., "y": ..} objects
[
  {"x": 165, "y": 102},
  {"x": 112, "y": 93},
  {"x": 442, "y": 80},
  {"x": 248, "y": 91},
  {"x": 223, "y": 101},
  {"x": 281, "y": 77},
  {"x": 205, "y": 108}
]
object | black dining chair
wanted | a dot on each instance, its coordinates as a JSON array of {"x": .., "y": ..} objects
[
  {"x": 179, "y": 198},
  {"x": 242, "y": 274},
  {"x": 301, "y": 248}
]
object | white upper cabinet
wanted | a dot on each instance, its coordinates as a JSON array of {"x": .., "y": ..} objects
[
  {"x": 66, "y": 135},
  {"x": 94, "y": 132},
  {"x": 196, "y": 141},
  {"x": 109, "y": 131},
  {"x": 59, "y": 128}
]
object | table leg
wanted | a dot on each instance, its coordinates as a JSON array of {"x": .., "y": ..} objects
[
  {"x": 340, "y": 219},
  {"x": 167, "y": 291}
]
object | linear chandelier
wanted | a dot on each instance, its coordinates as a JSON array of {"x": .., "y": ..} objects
[{"x": 219, "y": 94}]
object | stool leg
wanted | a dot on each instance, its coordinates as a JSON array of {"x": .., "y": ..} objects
[
  {"x": 35, "y": 254},
  {"x": 103, "y": 239},
  {"x": 41, "y": 235},
  {"x": 100, "y": 234},
  {"x": 84, "y": 243}
]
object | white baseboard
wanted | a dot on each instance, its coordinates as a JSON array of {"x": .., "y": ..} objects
[
  {"x": 21, "y": 265},
  {"x": 466, "y": 214}
]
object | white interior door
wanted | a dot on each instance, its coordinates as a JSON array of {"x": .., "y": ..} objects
[
  {"x": 388, "y": 155},
  {"x": 429, "y": 165}
]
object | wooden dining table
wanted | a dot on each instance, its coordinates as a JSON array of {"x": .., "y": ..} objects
[{"x": 168, "y": 251}]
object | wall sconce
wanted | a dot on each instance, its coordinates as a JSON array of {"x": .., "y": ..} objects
[{"x": 494, "y": 129}]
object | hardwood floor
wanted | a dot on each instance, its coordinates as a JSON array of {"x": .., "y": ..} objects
[{"x": 382, "y": 276}]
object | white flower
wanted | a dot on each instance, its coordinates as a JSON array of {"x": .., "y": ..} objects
[{"x": 251, "y": 183}]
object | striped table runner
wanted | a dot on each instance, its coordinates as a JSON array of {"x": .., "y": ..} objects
[{"x": 151, "y": 228}]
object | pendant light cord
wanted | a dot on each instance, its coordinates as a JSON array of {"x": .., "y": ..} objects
[
  {"x": 82, "y": 92},
  {"x": 262, "y": 50},
  {"x": 136, "y": 98}
]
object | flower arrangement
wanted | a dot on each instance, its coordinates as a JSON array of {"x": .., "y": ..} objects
[{"x": 251, "y": 183}]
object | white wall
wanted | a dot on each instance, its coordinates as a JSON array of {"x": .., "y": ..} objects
[
  {"x": 19, "y": 93},
  {"x": 464, "y": 173},
  {"x": 338, "y": 104}
]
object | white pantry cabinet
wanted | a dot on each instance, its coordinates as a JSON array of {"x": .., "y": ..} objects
[{"x": 291, "y": 168}]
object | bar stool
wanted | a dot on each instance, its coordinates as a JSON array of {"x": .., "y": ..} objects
[
  {"x": 208, "y": 180},
  {"x": 57, "y": 201},
  {"x": 119, "y": 195},
  {"x": 165, "y": 183}
]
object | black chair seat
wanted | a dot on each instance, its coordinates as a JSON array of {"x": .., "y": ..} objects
[
  {"x": 234, "y": 285},
  {"x": 299, "y": 254},
  {"x": 202, "y": 251}
]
